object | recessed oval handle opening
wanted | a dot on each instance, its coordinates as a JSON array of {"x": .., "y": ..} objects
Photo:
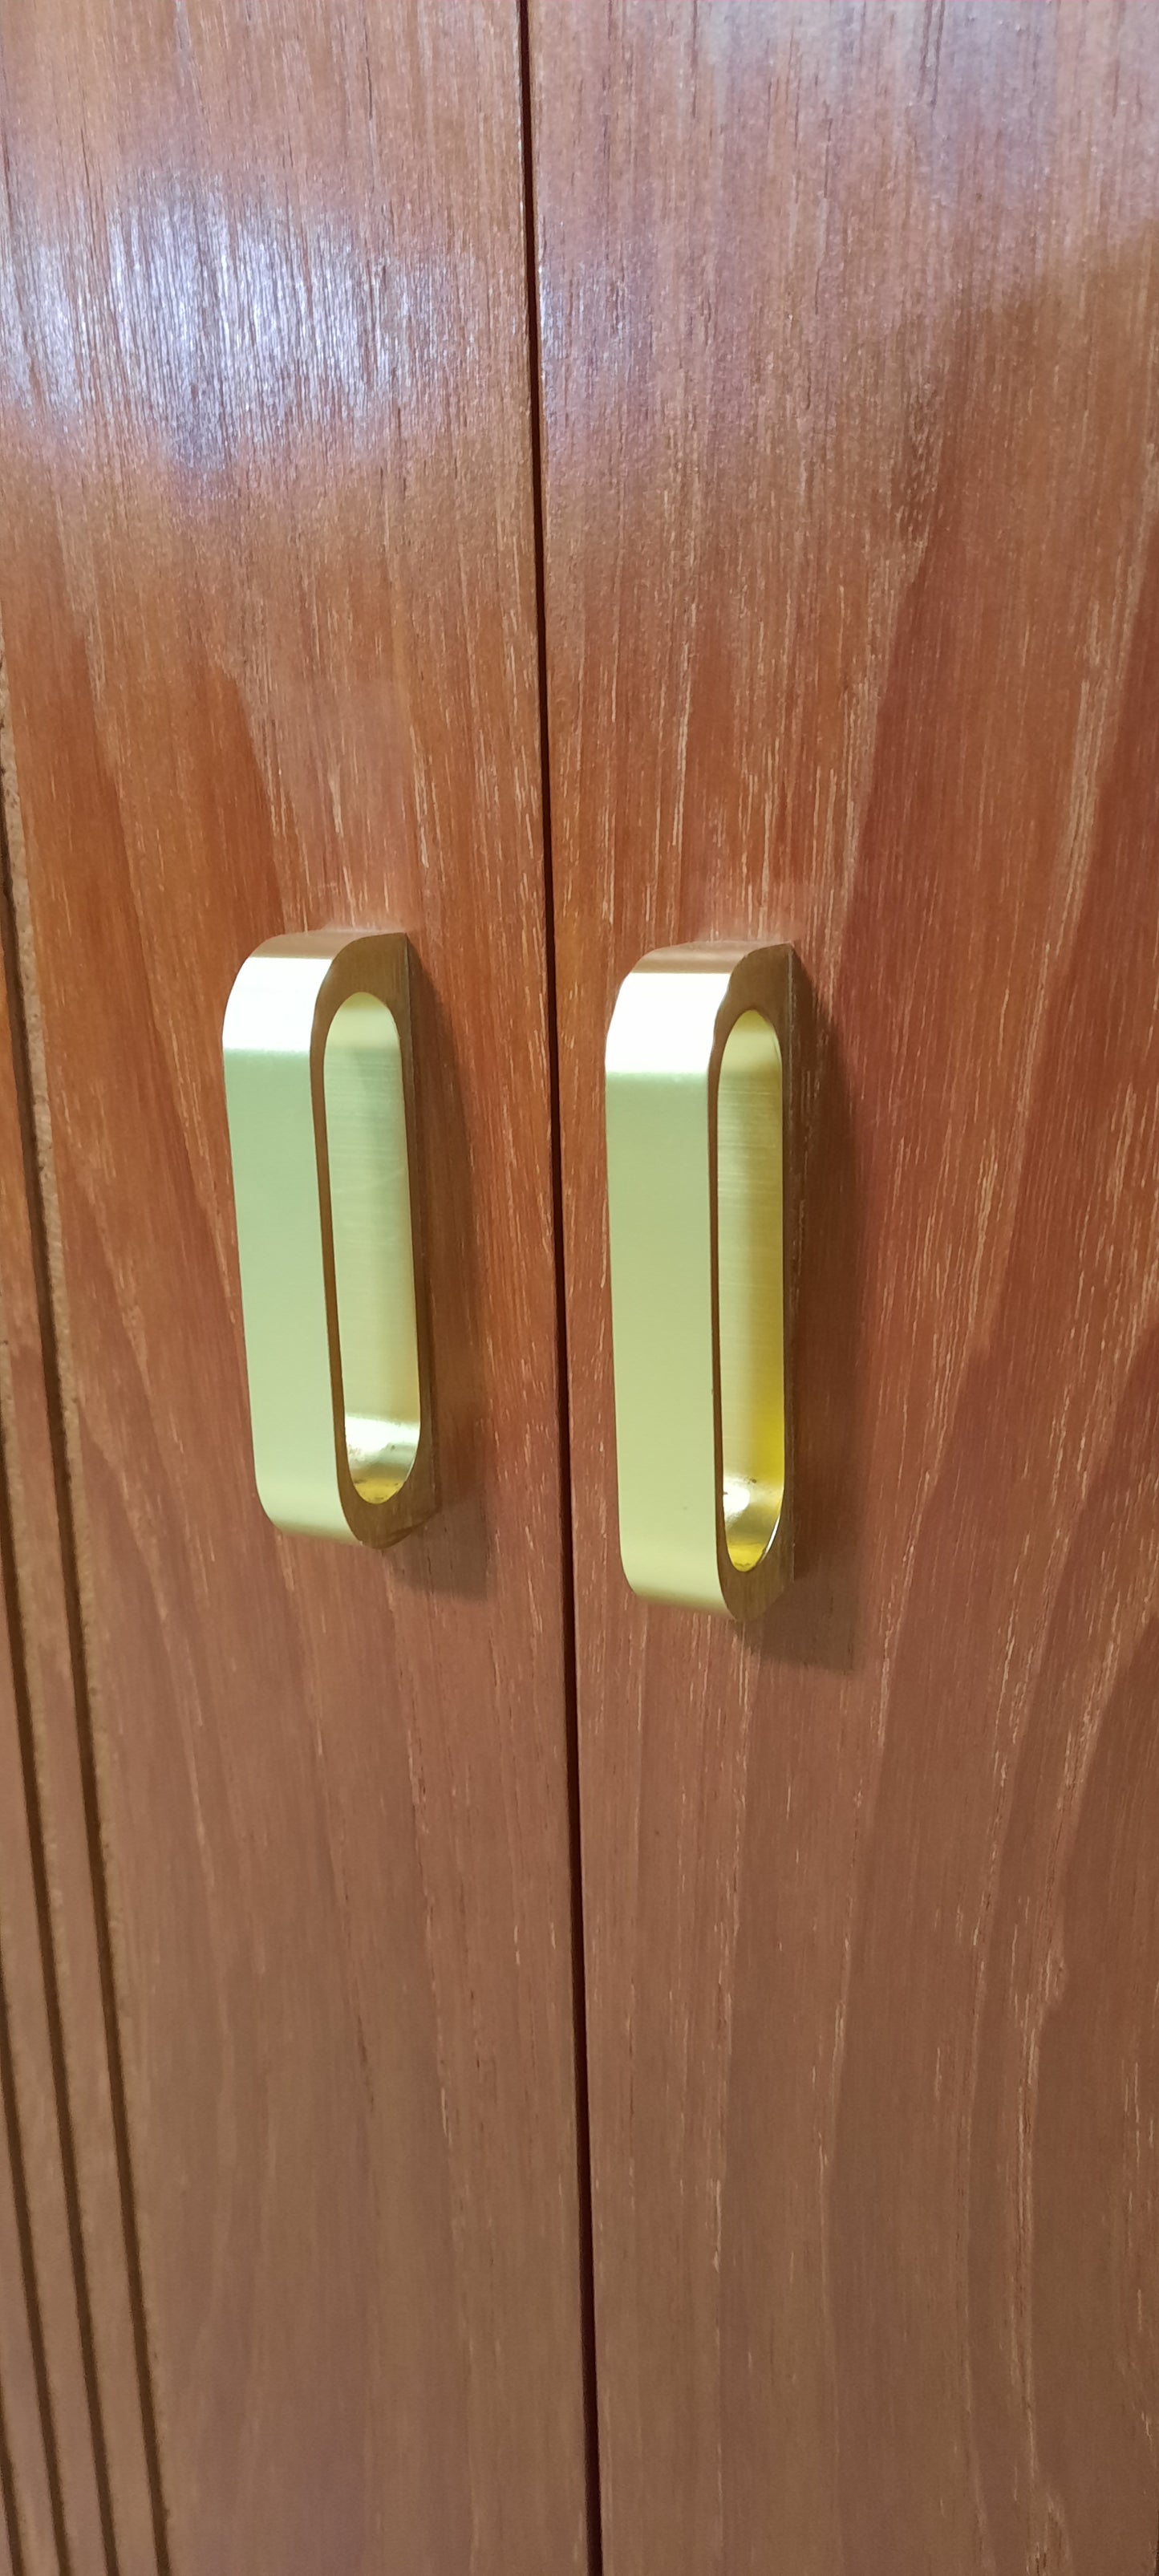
[
  {"x": 750, "y": 1286},
  {"x": 373, "y": 1256}
]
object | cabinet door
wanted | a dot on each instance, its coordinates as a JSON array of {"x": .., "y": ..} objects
[
  {"x": 270, "y": 618},
  {"x": 850, "y": 320}
]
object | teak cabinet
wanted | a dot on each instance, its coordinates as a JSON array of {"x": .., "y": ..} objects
[{"x": 499, "y": 2077}]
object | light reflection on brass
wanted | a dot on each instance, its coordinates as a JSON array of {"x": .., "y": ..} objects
[
  {"x": 699, "y": 1077},
  {"x": 320, "y": 1095}
]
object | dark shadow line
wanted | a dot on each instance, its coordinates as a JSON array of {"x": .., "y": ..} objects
[
  {"x": 579, "y": 1986},
  {"x": 66, "y": 1522}
]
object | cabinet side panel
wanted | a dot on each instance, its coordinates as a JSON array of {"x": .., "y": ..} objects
[{"x": 850, "y": 322}]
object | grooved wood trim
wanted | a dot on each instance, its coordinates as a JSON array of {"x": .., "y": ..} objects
[
  {"x": 51, "y": 2418},
  {"x": 81, "y": 2240},
  {"x": 270, "y": 620},
  {"x": 850, "y": 320}
]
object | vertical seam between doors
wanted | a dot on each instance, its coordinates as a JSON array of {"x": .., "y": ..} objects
[{"x": 579, "y": 1985}]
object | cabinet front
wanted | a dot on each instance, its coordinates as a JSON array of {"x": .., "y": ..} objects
[{"x": 753, "y": 407}]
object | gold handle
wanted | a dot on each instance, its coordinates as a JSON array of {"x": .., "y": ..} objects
[
  {"x": 320, "y": 1095},
  {"x": 699, "y": 1081}
]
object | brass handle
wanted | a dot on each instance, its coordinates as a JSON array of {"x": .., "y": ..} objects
[
  {"x": 320, "y": 1096},
  {"x": 699, "y": 1080}
]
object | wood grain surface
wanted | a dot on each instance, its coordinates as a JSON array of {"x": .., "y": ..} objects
[
  {"x": 851, "y": 408},
  {"x": 269, "y": 600}
]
